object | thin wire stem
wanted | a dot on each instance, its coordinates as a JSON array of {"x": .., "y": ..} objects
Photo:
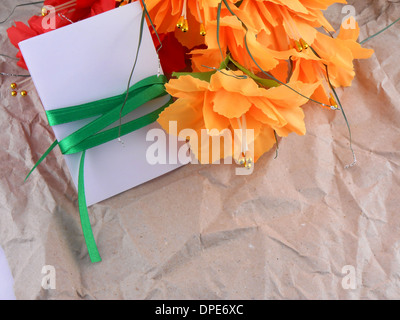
[
  {"x": 20, "y": 5},
  {"x": 14, "y": 75},
  {"x": 378, "y": 33}
]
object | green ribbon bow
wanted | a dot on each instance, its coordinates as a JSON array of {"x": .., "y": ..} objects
[{"x": 109, "y": 111}]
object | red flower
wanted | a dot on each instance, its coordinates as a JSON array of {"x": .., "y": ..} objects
[
  {"x": 173, "y": 55},
  {"x": 83, "y": 9}
]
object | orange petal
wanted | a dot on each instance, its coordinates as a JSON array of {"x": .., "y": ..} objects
[
  {"x": 246, "y": 87},
  {"x": 185, "y": 84},
  {"x": 230, "y": 104},
  {"x": 213, "y": 120},
  {"x": 187, "y": 114},
  {"x": 264, "y": 142}
]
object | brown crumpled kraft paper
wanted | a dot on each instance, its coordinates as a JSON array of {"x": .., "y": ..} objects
[{"x": 201, "y": 232}]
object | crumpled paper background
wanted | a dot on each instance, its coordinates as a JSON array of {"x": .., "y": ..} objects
[{"x": 201, "y": 232}]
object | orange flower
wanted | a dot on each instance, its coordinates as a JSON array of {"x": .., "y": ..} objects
[
  {"x": 273, "y": 26},
  {"x": 337, "y": 54},
  {"x": 228, "y": 102}
]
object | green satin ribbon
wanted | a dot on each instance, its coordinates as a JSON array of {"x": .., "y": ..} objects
[{"x": 108, "y": 111}]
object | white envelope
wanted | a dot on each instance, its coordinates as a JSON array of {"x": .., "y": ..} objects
[{"x": 91, "y": 60}]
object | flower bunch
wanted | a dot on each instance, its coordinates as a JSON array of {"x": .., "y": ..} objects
[
  {"x": 254, "y": 63},
  {"x": 248, "y": 64}
]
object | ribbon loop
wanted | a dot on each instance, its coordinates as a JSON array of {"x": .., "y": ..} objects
[{"x": 108, "y": 111}]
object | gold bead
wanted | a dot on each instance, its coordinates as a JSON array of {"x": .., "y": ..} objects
[
  {"x": 24, "y": 93},
  {"x": 180, "y": 22},
  {"x": 298, "y": 46},
  {"x": 248, "y": 165},
  {"x": 333, "y": 102},
  {"x": 185, "y": 27},
  {"x": 249, "y": 158},
  {"x": 45, "y": 12},
  {"x": 242, "y": 161},
  {"x": 14, "y": 93},
  {"x": 13, "y": 85},
  {"x": 203, "y": 31},
  {"x": 304, "y": 44}
]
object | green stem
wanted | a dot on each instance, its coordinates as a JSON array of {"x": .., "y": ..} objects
[{"x": 265, "y": 82}]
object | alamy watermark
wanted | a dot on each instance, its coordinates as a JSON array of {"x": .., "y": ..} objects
[
  {"x": 349, "y": 21},
  {"x": 49, "y": 21},
  {"x": 349, "y": 281},
  {"x": 211, "y": 145},
  {"x": 49, "y": 278},
  {"x": 49, "y": 18}
]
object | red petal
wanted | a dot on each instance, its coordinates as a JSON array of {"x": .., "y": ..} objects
[
  {"x": 85, "y": 3},
  {"x": 172, "y": 54},
  {"x": 36, "y": 24},
  {"x": 20, "y": 32},
  {"x": 101, "y": 6},
  {"x": 21, "y": 63}
]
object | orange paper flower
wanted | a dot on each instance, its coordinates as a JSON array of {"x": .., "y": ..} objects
[
  {"x": 336, "y": 55},
  {"x": 227, "y": 102}
]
